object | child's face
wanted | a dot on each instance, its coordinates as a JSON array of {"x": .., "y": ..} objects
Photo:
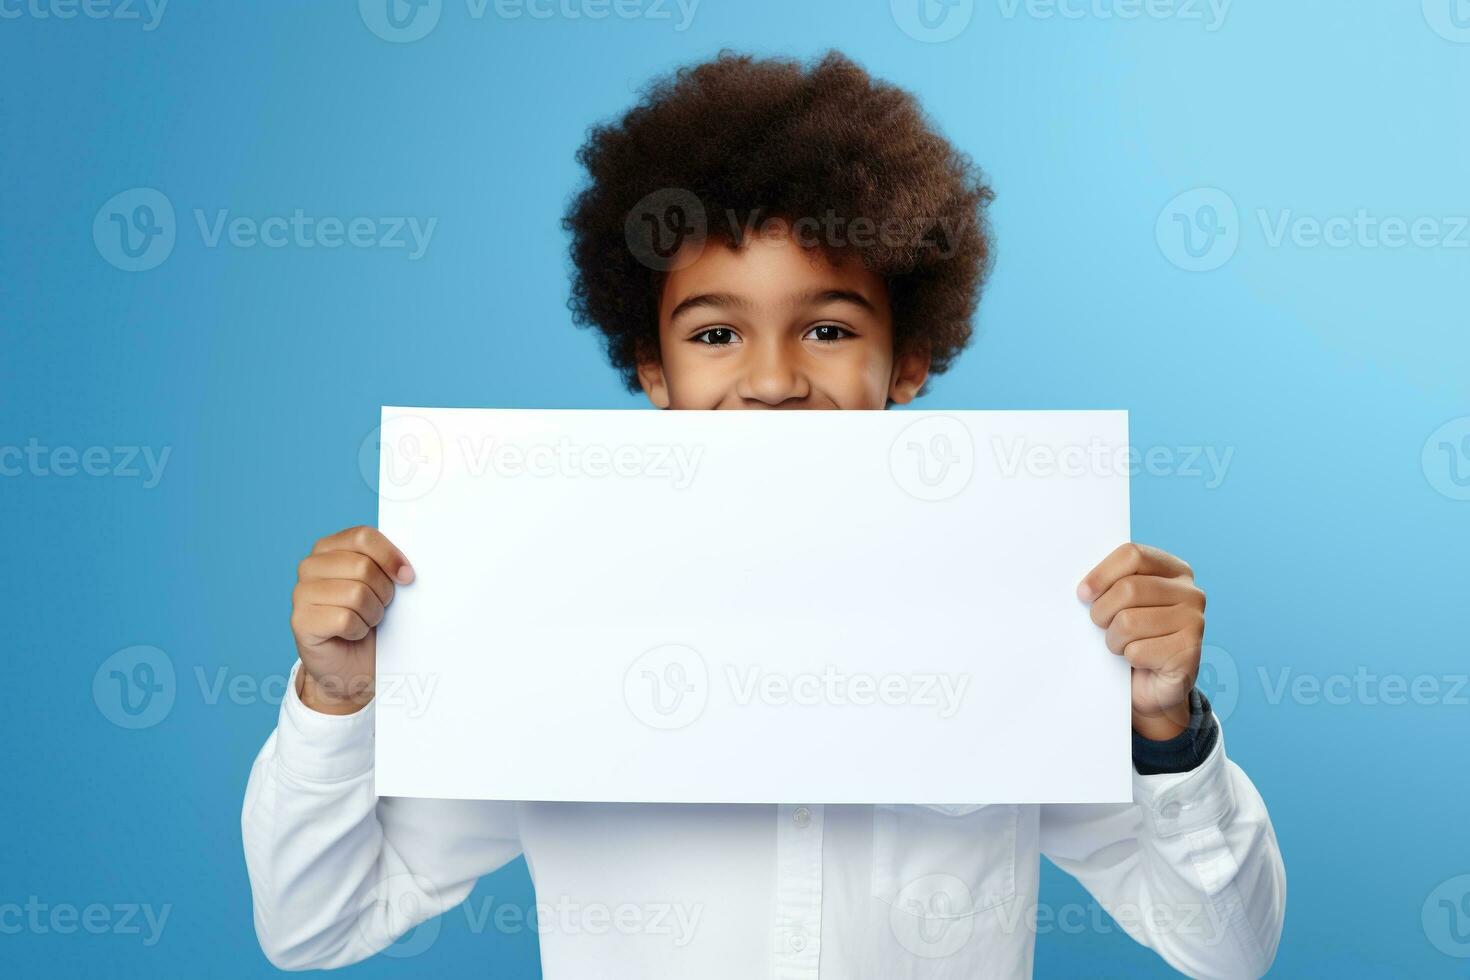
[{"x": 773, "y": 325}]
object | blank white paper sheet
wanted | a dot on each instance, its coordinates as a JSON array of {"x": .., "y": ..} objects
[{"x": 751, "y": 607}]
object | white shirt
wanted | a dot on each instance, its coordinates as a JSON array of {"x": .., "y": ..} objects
[{"x": 792, "y": 892}]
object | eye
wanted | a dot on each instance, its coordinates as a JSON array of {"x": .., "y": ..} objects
[
  {"x": 715, "y": 337},
  {"x": 829, "y": 333}
]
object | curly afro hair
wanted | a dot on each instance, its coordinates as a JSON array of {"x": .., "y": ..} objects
[{"x": 738, "y": 140}]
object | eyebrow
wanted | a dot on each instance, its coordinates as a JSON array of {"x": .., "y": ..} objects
[
  {"x": 834, "y": 296},
  {"x": 732, "y": 301},
  {"x": 717, "y": 301}
]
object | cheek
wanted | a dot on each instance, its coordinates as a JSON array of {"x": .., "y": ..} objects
[
  {"x": 697, "y": 382},
  {"x": 858, "y": 380}
]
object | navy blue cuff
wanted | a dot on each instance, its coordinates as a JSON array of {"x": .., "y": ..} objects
[{"x": 1184, "y": 751}]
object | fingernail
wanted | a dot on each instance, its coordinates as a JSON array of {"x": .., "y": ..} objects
[
  {"x": 1084, "y": 592},
  {"x": 405, "y": 574}
]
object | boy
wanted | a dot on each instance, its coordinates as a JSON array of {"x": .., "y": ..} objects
[{"x": 812, "y": 243}]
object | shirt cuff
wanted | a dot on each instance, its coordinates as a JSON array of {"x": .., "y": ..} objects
[
  {"x": 322, "y": 747},
  {"x": 1185, "y": 751},
  {"x": 1177, "y": 803}
]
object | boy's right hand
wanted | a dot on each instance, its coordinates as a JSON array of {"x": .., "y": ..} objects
[{"x": 342, "y": 588}]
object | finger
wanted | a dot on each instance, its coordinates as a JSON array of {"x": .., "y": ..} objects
[
  {"x": 1162, "y": 652},
  {"x": 347, "y": 565},
  {"x": 341, "y": 592},
  {"x": 1142, "y": 623},
  {"x": 1144, "y": 590},
  {"x": 1129, "y": 559},
  {"x": 317, "y": 624},
  {"x": 371, "y": 542}
]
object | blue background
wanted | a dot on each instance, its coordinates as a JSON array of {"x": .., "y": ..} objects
[{"x": 1329, "y": 546}]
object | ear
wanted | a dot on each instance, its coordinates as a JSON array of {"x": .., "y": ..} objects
[
  {"x": 655, "y": 385},
  {"x": 910, "y": 371}
]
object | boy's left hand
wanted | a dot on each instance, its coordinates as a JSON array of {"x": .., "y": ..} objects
[{"x": 1155, "y": 617}]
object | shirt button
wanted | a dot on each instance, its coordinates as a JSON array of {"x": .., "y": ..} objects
[
  {"x": 801, "y": 816},
  {"x": 798, "y": 943},
  {"x": 1170, "y": 811}
]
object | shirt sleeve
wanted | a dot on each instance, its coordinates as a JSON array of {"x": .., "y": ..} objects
[
  {"x": 337, "y": 874},
  {"x": 1190, "y": 869},
  {"x": 1183, "y": 752}
]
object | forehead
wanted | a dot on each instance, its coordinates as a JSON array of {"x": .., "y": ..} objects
[{"x": 767, "y": 271}]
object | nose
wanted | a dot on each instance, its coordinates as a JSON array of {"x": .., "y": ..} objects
[{"x": 774, "y": 376}]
